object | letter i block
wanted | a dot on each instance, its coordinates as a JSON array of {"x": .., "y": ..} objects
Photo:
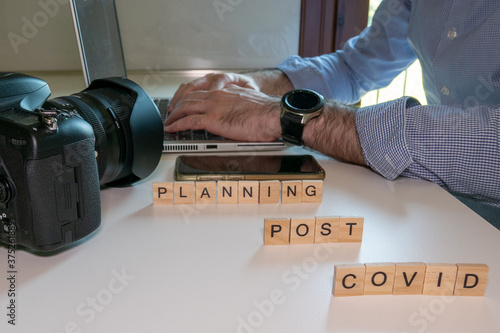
[
  {"x": 349, "y": 280},
  {"x": 227, "y": 192},
  {"x": 440, "y": 279},
  {"x": 409, "y": 279},
  {"x": 379, "y": 278},
  {"x": 312, "y": 191},
  {"x": 184, "y": 193},
  {"x": 269, "y": 191},
  {"x": 302, "y": 231},
  {"x": 327, "y": 229},
  {"x": 471, "y": 279},
  {"x": 351, "y": 229},
  {"x": 163, "y": 193},
  {"x": 248, "y": 192},
  {"x": 206, "y": 192},
  {"x": 276, "y": 231},
  {"x": 291, "y": 192}
]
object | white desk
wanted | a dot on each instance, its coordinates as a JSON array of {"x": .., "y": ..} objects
[{"x": 205, "y": 269}]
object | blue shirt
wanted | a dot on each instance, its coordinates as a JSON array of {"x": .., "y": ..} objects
[{"x": 454, "y": 141}]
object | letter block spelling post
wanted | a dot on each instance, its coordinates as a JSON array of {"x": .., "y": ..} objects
[
  {"x": 327, "y": 229},
  {"x": 163, "y": 193},
  {"x": 291, "y": 192},
  {"x": 269, "y": 191},
  {"x": 471, "y": 279},
  {"x": 248, "y": 192},
  {"x": 409, "y": 279},
  {"x": 184, "y": 193},
  {"x": 276, "y": 231},
  {"x": 312, "y": 191},
  {"x": 440, "y": 279},
  {"x": 349, "y": 280},
  {"x": 227, "y": 192},
  {"x": 302, "y": 231},
  {"x": 351, "y": 229},
  {"x": 206, "y": 192},
  {"x": 379, "y": 278}
]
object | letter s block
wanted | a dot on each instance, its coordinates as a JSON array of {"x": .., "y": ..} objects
[
  {"x": 349, "y": 280},
  {"x": 471, "y": 279},
  {"x": 276, "y": 231}
]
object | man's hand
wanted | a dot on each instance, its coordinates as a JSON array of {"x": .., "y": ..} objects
[{"x": 236, "y": 112}]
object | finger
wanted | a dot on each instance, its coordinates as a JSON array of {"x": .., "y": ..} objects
[
  {"x": 186, "y": 88},
  {"x": 188, "y": 107},
  {"x": 192, "y": 122}
]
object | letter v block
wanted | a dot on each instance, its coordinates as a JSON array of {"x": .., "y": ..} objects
[
  {"x": 276, "y": 231},
  {"x": 471, "y": 279},
  {"x": 349, "y": 280},
  {"x": 409, "y": 278}
]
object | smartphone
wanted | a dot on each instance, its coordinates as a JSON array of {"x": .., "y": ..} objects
[{"x": 247, "y": 167}]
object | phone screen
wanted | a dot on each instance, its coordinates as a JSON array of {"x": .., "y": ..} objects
[{"x": 249, "y": 167}]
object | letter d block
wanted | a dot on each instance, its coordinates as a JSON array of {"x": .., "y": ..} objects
[
  {"x": 379, "y": 278},
  {"x": 312, "y": 191},
  {"x": 184, "y": 193},
  {"x": 471, "y": 279},
  {"x": 302, "y": 231},
  {"x": 163, "y": 193},
  {"x": 349, "y": 280},
  {"x": 440, "y": 279},
  {"x": 276, "y": 231}
]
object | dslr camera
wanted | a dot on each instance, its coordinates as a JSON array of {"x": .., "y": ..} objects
[{"x": 56, "y": 154}]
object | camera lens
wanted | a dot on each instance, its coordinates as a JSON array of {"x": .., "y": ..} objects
[
  {"x": 127, "y": 126},
  {"x": 5, "y": 191}
]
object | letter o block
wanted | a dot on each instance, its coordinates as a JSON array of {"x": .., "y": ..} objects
[
  {"x": 302, "y": 231},
  {"x": 349, "y": 280},
  {"x": 379, "y": 278}
]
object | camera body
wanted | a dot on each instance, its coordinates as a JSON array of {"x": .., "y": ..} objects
[{"x": 55, "y": 155}]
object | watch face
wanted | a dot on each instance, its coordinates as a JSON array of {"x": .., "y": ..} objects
[{"x": 304, "y": 101}]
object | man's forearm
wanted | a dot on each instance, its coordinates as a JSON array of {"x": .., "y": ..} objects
[{"x": 334, "y": 133}]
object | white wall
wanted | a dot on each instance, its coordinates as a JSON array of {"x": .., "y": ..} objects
[{"x": 156, "y": 34}]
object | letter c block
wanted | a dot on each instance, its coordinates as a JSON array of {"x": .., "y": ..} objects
[
  {"x": 349, "y": 280},
  {"x": 276, "y": 231}
]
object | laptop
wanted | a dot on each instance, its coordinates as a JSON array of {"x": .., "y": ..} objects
[{"x": 101, "y": 54}]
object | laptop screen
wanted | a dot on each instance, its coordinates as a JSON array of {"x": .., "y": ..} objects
[{"x": 98, "y": 37}]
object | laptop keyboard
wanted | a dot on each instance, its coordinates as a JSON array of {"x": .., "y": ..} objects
[{"x": 189, "y": 135}]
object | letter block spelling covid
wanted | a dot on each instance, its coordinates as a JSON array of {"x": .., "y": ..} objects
[{"x": 410, "y": 279}]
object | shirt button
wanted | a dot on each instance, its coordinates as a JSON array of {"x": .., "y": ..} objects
[
  {"x": 445, "y": 90},
  {"x": 452, "y": 34}
]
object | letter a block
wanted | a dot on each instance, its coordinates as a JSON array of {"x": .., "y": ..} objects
[
  {"x": 206, "y": 192},
  {"x": 302, "y": 231},
  {"x": 351, "y": 229},
  {"x": 349, "y": 280},
  {"x": 471, "y": 279},
  {"x": 440, "y": 279},
  {"x": 163, "y": 193},
  {"x": 276, "y": 231},
  {"x": 409, "y": 279},
  {"x": 312, "y": 191},
  {"x": 184, "y": 193},
  {"x": 269, "y": 192},
  {"x": 248, "y": 192},
  {"x": 291, "y": 192},
  {"x": 379, "y": 278}
]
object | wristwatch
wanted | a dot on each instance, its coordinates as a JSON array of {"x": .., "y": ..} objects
[{"x": 297, "y": 108}]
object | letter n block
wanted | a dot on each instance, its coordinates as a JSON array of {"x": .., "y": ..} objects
[
  {"x": 206, "y": 192},
  {"x": 302, "y": 231},
  {"x": 269, "y": 191},
  {"x": 471, "y": 279},
  {"x": 248, "y": 192},
  {"x": 227, "y": 192},
  {"x": 351, "y": 229},
  {"x": 327, "y": 229},
  {"x": 276, "y": 231},
  {"x": 379, "y": 278},
  {"x": 409, "y": 279},
  {"x": 349, "y": 280},
  {"x": 163, "y": 193},
  {"x": 291, "y": 192},
  {"x": 440, "y": 279},
  {"x": 312, "y": 191},
  {"x": 184, "y": 193}
]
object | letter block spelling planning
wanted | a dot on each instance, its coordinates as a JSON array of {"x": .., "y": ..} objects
[
  {"x": 237, "y": 192},
  {"x": 282, "y": 231},
  {"x": 414, "y": 278}
]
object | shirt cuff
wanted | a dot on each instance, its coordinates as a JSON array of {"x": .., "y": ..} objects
[{"x": 382, "y": 134}]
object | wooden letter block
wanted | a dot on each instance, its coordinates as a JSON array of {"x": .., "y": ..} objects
[
  {"x": 302, "y": 231},
  {"x": 248, "y": 192},
  {"x": 184, "y": 193},
  {"x": 349, "y": 280},
  {"x": 163, "y": 193},
  {"x": 327, "y": 229},
  {"x": 269, "y": 191},
  {"x": 409, "y": 279},
  {"x": 440, "y": 279},
  {"x": 291, "y": 192},
  {"x": 471, "y": 279},
  {"x": 351, "y": 229},
  {"x": 312, "y": 191},
  {"x": 379, "y": 278},
  {"x": 276, "y": 231},
  {"x": 227, "y": 192},
  {"x": 206, "y": 192}
]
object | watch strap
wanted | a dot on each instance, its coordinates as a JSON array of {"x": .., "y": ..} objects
[{"x": 292, "y": 129}]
